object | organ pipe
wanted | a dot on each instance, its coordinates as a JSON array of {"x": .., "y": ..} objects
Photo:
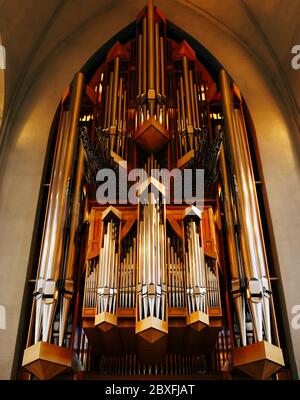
[
  {"x": 52, "y": 250},
  {"x": 72, "y": 248},
  {"x": 252, "y": 246}
]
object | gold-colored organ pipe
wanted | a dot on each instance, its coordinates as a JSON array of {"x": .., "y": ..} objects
[
  {"x": 119, "y": 123},
  {"x": 192, "y": 97},
  {"x": 196, "y": 101},
  {"x": 157, "y": 70},
  {"x": 157, "y": 59},
  {"x": 105, "y": 123},
  {"x": 144, "y": 74},
  {"x": 187, "y": 93},
  {"x": 151, "y": 54},
  {"x": 71, "y": 254},
  {"x": 162, "y": 66},
  {"x": 120, "y": 104},
  {"x": 251, "y": 262},
  {"x": 134, "y": 273},
  {"x": 179, "y": 124},
  {"x": 115, "y": 91},
  {"x": 183, "y": 119},
  {"x": 140, "y": 48},
  {"x": 144, "y": 55},
  {"x": 162, "y": 74},
  {"x": 111, "y": 79}
]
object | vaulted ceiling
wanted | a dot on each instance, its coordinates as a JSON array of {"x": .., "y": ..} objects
[{"x": 32, "y": 29}]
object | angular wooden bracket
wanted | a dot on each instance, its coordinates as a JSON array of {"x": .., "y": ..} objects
[{"x": 258, "y": 360}]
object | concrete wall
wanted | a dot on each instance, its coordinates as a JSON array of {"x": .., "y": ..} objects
[{"x": 36, "y": 101}]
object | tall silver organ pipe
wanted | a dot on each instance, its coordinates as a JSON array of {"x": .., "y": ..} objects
[
  {"x": 109, "y": 263},
  {"x": 127, "y": 279},
  {"x": 252, "y": 243},
  {"x": 175, "y": 274},
  {"x": 151, "y": 273},
  {"x": 237, "y": 275},
  {"x": 51, "y": 256},
  {"x": 91, "y": 283},
  {"x": 195, "y": 263},
  {"x": 68, "y": 278}
]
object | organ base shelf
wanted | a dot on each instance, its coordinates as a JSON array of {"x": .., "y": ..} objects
[
  {"x": 45, "y": 360},
  {"x": 258, "y": 360}
]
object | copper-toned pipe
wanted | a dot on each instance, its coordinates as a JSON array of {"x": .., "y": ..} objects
[
  {"x": 157, "y": 67},
  {"x": 106, "y": 107},
  {"x": 151, "y": 61},
  {"x": 140, "y": 63},
  {"x": 157, "y": 59},
  {"x": 162, "y": 71},
  {"x": 111, "y": 80},
  {"x": 144, "y": 55},
  {"x": 140, "y": 56},
  {"x": 162, "y": 66},
  {"x": 179, "y": 123},
  {"x": 196, "y": 105},
  {"x": 123, "y": 124},
  {"x": 115, "y": 91},
  {"x": 187, "y": 92},
  {"x": 192, "y": 97},
  {"x": 144, "y": 80},
  {"x": 151, "y": 55},
  {"x": 183, "y": 112},
  {"x": 118, "y": 131}
]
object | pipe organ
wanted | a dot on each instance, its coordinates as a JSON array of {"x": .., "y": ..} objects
[{"x": 158, "y": 286}]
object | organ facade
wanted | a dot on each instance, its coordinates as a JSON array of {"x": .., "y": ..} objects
[{"x": 178, "y": 282}]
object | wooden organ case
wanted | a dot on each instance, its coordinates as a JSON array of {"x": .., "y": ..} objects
[{"x": 157, "y": 287}]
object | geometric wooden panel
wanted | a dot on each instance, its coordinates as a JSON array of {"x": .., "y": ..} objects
[
  {"x": 259, "y": 360},
  {"x": 46, "y": 360}
]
